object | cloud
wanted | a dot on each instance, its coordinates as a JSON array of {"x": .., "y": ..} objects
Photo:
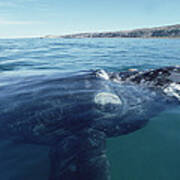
[
  {"x": 12, "y": 3},
  {"x": 10, "y": 6},
  {"x": 18, "y": 3},
  {"x": 18, "y": 22},
  {"x": 7, "y": 4}
]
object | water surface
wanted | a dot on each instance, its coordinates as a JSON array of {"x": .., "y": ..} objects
[{"x": 150, "y": 153}]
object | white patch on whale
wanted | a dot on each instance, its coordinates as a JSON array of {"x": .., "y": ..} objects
[
  {"x": 104, "y": 98},
  {"x": 107, "y": 102},
  {"x": 173, "y": 90},
  {"x": 102, "y": 74}
]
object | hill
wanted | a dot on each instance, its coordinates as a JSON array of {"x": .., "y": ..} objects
[{"x": 172, "y": 31}]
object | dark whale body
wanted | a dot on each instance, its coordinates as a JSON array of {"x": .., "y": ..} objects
[{"x": 75, "y": 114}]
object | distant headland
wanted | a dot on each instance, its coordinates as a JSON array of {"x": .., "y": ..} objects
[{"x": 172, "y": 31}]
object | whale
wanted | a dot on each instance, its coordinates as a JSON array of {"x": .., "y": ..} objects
[{"x": 75, "y": 113}]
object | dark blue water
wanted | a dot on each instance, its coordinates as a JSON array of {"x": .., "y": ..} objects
[{"x": 150, "y": 153}]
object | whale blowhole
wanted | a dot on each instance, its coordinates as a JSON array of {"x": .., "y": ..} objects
[{"x": 107, "y": 102}]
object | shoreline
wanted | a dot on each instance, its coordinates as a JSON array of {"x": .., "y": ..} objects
[
  {"x": 172, "y": 31},
  {"x": 21, "y": 38}
]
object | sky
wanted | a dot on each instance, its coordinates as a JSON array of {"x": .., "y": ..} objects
[{"x": 32, "y": 18}]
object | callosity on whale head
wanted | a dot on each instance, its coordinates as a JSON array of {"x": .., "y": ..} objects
[
  {"x": 74, "y": 114},
  {"x": 128, "y": 107}
]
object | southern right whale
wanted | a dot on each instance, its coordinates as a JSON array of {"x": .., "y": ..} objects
[{"x": 74, "y": 114}]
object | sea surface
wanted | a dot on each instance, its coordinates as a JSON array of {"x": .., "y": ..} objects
[{"x": 151, "y": 153}]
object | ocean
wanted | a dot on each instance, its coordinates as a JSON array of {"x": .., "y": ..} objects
[{"x": 151, "y": 153}]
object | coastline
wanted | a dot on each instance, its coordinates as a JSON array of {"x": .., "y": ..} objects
[{"x": 171, "y": 31}]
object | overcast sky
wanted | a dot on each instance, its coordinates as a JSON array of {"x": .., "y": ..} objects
[{"x": 26, "y": 18}]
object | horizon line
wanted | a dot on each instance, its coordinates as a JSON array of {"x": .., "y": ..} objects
[{"x": 83, "y": 32}]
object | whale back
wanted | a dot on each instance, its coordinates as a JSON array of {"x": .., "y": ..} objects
[{"x": 42, "y": 109}]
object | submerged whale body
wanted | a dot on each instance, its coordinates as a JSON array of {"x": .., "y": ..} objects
[{"x": 74, "y": 114}]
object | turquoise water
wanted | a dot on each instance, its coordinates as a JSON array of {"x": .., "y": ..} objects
[{"x": 151, "y": 153}]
